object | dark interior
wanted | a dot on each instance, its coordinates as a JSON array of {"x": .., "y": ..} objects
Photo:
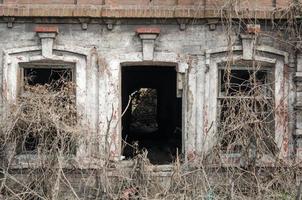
[
  {"x": 241, "y": 81},
  {"x": 30, "y": 144},
  {"x": 42, "y": 76},
  {"x": 157, "y": 128}
]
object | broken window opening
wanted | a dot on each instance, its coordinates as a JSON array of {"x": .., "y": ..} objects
[
  {"x": 153, "y": 119},
  {"x": 246, "y": 110},
  {"x": 39, "y": 129},
  {"x": 245, "y": 83},
  {"x": 54, "y": 76}
]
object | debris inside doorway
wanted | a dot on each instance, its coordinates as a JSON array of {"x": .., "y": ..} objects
[{"x": 152, "y": 122}]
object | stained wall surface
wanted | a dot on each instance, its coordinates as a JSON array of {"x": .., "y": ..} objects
[{"x": 100, "y": 42}]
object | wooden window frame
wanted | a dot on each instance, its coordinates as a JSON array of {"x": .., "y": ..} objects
[{"x": 244, "y": 66}]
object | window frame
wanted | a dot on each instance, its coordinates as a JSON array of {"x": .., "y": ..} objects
[
  {"x": 44, "y": 65},
  {"x": 241, "y": 67},
  {"x": 244, "y": 66},
  {"x": 21, "y": 84}
]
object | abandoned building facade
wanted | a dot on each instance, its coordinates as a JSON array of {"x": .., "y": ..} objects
[{"x": 175, "y": 50}]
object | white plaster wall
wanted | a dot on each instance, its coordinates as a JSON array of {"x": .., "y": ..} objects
[{"x": 100, "y": 53}]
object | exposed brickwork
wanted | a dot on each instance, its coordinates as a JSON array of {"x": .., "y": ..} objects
[
  {"x": 151, "y": 30},
  {"x": 39, "y": 1},
  {"x": 128, "y": 2},
  {"x": 166, "y": 2},
  {"x": 94, "y": 2},
  {"x": 46, "y": 29},
  {"x": 141, "y": 8},
  {"x": 251, "y": 4},
  {"x": 283, "y": 3},
  {"x": 253, "y": 28},
  {"x": 186, "y": 2}
]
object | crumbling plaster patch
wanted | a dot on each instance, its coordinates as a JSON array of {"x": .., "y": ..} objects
[{"x": 102, "y": 87}]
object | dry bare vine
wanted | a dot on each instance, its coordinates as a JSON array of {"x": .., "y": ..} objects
[{"x": 46, "y": 118}]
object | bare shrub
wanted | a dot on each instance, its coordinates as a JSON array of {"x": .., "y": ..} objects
[
  {"x": 43, "y": 123},
  {"x": 48, "y": 118}
]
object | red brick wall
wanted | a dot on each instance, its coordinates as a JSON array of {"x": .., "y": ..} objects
[
  {"x": 283, "y": 3},
  {"x": 94, "y": 2},
  {"x": 188, "y": 2},
  {"x": 126, "y": 2},
  {"x": 251, "y": 4},
  {"x": 39, "y": 1},
  {"x": 141, "y": 2},
  {"x": 202, "y": 3},
  {"x": 164, "y": 2}
]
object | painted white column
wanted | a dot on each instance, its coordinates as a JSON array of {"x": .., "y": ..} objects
[{"x": 298, "y": 107}]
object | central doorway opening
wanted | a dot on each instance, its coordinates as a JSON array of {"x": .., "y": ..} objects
[{"x": 152, "y": 113}]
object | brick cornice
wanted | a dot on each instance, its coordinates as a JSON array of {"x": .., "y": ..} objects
[{"x": 97, "y": 11}]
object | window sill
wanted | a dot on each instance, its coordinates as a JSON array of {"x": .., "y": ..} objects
[
  {"x": 236, "y": 159},
  {"x": 30, "y": 160},
  {"x": 244, "y": 97}
]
